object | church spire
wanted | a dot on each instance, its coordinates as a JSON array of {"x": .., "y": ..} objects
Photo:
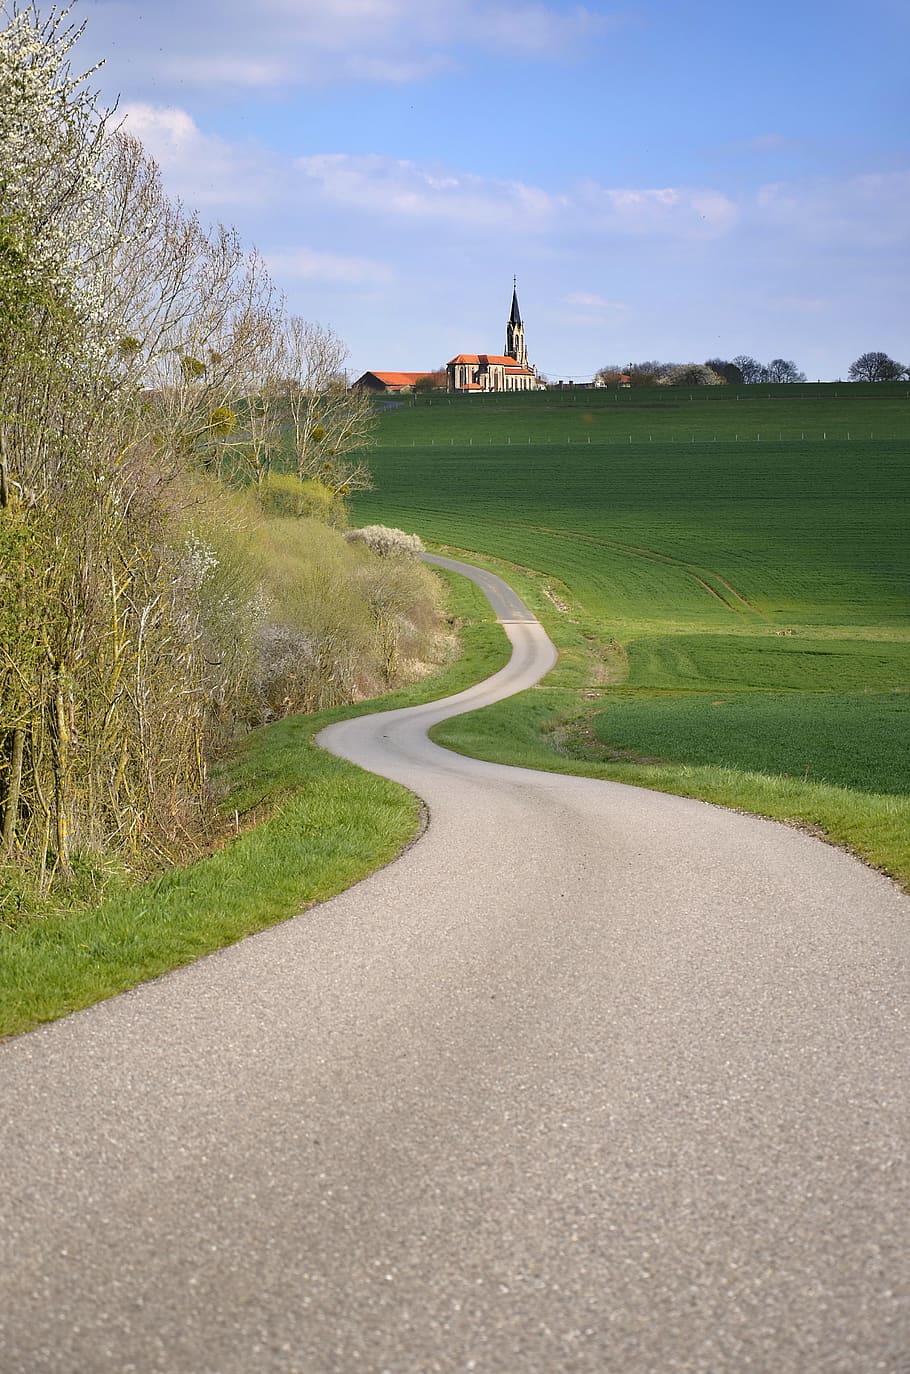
[
  {"x": 515, "y": 317},
  {"x": 515, "y": 331}
]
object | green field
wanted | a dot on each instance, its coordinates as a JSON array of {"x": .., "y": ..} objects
[{"x": 720, "y": 599}]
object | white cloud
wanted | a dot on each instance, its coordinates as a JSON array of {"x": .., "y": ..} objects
[
  {"x": 279, "y": 44},
  {"x": 308, "y": 264},
  {"x": 401, "y": 189},
  {"x": 869, "y": 212},
  {"x": 228, "y": 70},
  {"x": 535, "y": 30},
  {"x": 204, "y": 171},
  {"x": 219, "y": 176},
  {"x": 398, "y": 189},
  {"x": 679, "y": 211}
]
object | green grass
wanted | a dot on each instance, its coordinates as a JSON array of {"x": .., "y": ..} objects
[
  {"x": 756, "y": 414},
  {"x": 765, "y": 662},
  {"x": 857, "y": 741},
  {"x": 322, "y": 824},
  {"x": 680, "y": 569}
]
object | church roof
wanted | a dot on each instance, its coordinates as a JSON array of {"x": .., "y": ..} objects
[{"x": 502, "y": 359}]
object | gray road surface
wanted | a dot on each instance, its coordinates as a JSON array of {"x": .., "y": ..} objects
[{"x": 591, "y": 1079}]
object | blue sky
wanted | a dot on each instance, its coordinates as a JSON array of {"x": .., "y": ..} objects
[{"x": 667, "y": 180}]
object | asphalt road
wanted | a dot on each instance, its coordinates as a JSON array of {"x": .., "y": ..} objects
[{"x": 590, "y": 1079}]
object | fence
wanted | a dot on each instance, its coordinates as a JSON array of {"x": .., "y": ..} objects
[{"x": 762, "y": 436}]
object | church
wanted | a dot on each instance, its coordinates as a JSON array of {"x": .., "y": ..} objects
[{"x": 509, "y": 371}]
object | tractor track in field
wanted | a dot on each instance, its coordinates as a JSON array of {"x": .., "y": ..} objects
[{"x": 723, "y": 591}]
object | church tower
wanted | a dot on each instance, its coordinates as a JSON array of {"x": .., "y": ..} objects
[{"x": 515, "y": 331}]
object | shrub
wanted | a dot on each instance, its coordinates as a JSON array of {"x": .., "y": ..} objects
[
  {"x": 386, "y": 541},
  {"x": 287, "y": 495}
]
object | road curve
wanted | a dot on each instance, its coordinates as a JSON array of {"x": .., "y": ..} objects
[{"x": 591, "y": 1079}]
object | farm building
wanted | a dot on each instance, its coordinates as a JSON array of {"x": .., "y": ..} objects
[
  {"x": 389, "y": 381},
  {"x": 508, "y": 371}
]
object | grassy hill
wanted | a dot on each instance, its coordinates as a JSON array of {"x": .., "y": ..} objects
[
  {"x": 677, "y": 414},
  {"x": 726, "y": 570}
]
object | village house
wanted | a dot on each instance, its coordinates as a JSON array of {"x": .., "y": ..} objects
[{"x": 508, "y": 371}]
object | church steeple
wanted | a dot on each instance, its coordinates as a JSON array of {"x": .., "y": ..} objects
[
  {"x": 515, "y": 331},
  {"x": 515, "y": 317}
]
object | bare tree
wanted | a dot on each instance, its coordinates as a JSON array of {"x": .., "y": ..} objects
[
  {"x": 784, "y": 370},
  {"x": 876, "y": 367},
  {"x": 727, "y": 370},
  {"x": 332, "y": 424},
  {"x": 751, "y": 369}
]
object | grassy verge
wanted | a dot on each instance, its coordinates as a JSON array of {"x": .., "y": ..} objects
[
  {"x": 552, "y": 728},
  {"x": 324, "y": 825}
]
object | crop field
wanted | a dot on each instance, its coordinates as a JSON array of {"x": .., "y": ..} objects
[
  {"x": 810, "y": 413},
  {"x": 743, "y": 600}
]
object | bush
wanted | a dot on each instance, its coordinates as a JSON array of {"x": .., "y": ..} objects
[
  {"x": 386, "y": 541},
  {"x": 401, "y": 597},
  {"x": 287, "y": 495},
  {"x": 339, "y": 623}
]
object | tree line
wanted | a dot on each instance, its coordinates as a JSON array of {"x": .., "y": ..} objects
[
  {"x": 743, "y": 370},
  {"x": 149, "y": 377}
]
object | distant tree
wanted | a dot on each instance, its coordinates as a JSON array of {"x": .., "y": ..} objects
[
  {"x": 647, "y": 373},
  {"x": 691, "y": 374},
  {"x": 728, "y": 371},
  {"x": 876, "y": 367},
  {"x": 433, "y": 381},
  {"x": 639, "y": 374},
  {"x": 750, "y": 369},
  {"x": 784, "y": 370}
]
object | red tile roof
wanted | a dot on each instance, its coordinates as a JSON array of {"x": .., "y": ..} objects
[
  {"x": 483, "y": 358},
  {"x": 399, "y": 378}
]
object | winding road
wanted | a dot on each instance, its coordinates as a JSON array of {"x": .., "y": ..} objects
[{"x": 590, "y": 1079}]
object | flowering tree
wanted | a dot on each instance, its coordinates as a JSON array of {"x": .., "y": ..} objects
[{"x": 691, "y": 374}]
